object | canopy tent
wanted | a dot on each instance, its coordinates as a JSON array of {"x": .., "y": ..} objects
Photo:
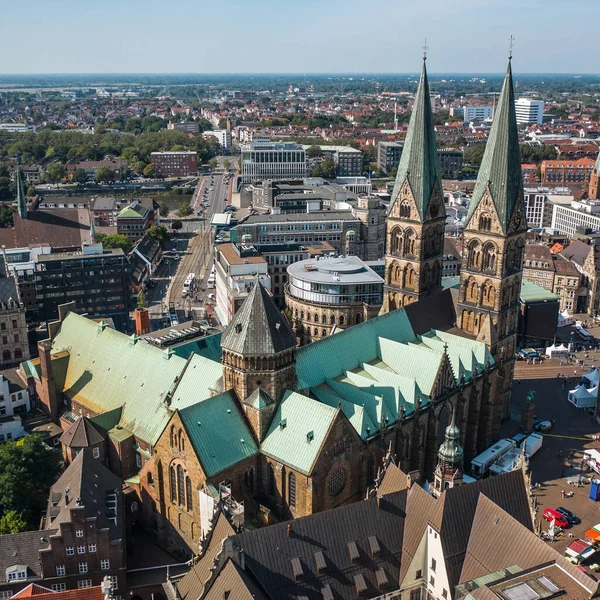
[
  {"x": 557, "y": 351},
  {"x": 580, "y": 550},
  {"x": 593, "y": 534},
  {"x": 592, "y": 377},
  {"x": 592, "y": 458},
  {"x": 582, "y": 397},
  {"x": 564, "y": 319}
]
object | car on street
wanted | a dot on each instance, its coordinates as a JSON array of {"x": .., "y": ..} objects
[
  {"x": 543, "y": 425},
  {"x": 176, "y": 257},
  {"x": 568, "y": 515},
  {"x": 559, "y": 520},
  {"x": 231, "y": 207},
  {"x": 211, "y": 296}
]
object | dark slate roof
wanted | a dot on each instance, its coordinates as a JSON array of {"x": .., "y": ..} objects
[
  {"x": 234, "y": 583},
  {"x": 455, "y": 510},
  {"x": 23, "y": 549},
  {"x": 8, "y": 285},
  {"x": 268, "y": 552},
  {"x": 60, "y": 228},
  {"x": 90, "y": 481},
  {"x": 258, "y": 327},
  {"x": 419, "y": 162},
  {"x": 501, "y": 165},
  {"x": 433, "y": 312},
  {"x": 577, "y": 251},
  {"x": 81, "y": 434}
]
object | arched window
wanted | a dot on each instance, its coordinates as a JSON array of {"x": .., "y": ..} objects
[
  {"x": 315, "y": 331},
  {"x": 485, "y": 222},
  {"x": 358, "y": 318},
  {"x": 409, "y": 242},
  {"x": 6, "y": 355},
  {"x": 181, "y": 441},
  {"x": 307, "y": 316},
  {"x": 316, "y": 317},
  {"x": 332, "y": 320},
  {"x": 188, "y": 493},
  {"x": 489, "y": 257},
  {"x": 302, "y": 316},
  {"x": 324, "y": 333},
  {"x": 396, "y": 241},
  {"x": 337, "y": 481},
  {"x": 396, "y": 274},
  {"x": 172, "y": 437},
  {"x": 249, "y": 478},
  {"x": 474, "y": 257},
  {"x": 405, "y": 210},
  {"x": 180, "y": 486},
  {"x": 292, "y": 490},
  {"x": 519, "y": 253},
  {"x": 271, "y": 480},
  {"x": 173, "y": 482},
  {"x": 18, "y": 353},
  {"x": 324, "y": 318},
  {"x": 341, "y": 319},
  {"x": 150, "y": 479}
]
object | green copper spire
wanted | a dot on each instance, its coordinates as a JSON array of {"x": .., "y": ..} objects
[
  {"x": 21, "y": 198},
  {"x": 450, "y": 451},
  {"x": 501, "y": 165},
  {"x": 419, "y": 162}
]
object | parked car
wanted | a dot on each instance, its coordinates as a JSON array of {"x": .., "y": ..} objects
[
  {"x": 231, "y": 207},
  {"x": 543, "y": 425},
  {"x": 176, "y": 257},
  {"x": 559, "y": 520},
  {"x": 211, "y": 296},
  {"x": 568, "y": 515}
]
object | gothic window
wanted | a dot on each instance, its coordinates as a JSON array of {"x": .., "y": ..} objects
[
  {"x": 173, "y": 482},
  {"x": 315, "y": 331},
  {"x": 249, "y": 478},
  {"x": 435, "y": 273},
  {"x": 308, "y": 317},
  {"x": 341, "y": 319},
  {"x": 188, "y": 493},
  {"x": 358, "y": 318},
  {"x": 332, "y": 320},
  {"x": 396, "y": 241},
  {"x": 324, "y": 333},
  {"x": 519, "y": 254},
  {"x": 181, "y": 441},
  {"x": 324, "y": 318},
  {"x": 489, "y": 294},
  {"x": 510, "y": 255},
  {"x": 6, "y": 355},
  {"x": 180, "y": 486},
  {"x": 471, "y": 291},
  {"x": 405, "y": 210},
  {"x": 292, "y": 490},
  {"x": 271, "y": 480},
  {"x": 485, "y": 222},
  {"x": 489, "y": 257},
  {"x": 409, "y": 277},
  {"x": 409, "y": 243},
  {"x": 316, "y": 317},
  {"x": 336, "y": 483},
  {"x": 474, "y": 257},
  {"x": 396, "y": 274},
  {"x": 173, "y": 437},
  {"x": 426, "y": 276}
]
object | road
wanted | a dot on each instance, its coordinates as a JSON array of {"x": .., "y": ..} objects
[{"x": 194, "y": 245}]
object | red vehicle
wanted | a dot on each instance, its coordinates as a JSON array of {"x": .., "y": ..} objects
[{"x": 553, "y": 515}]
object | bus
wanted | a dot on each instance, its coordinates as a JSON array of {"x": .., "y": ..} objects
[
  {"x": 481, "y": 464},
  {"x": 188, "y": 285}
]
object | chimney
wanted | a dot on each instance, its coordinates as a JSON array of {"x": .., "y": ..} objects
[
  {"x": 47, "y": 388},
  {"x": 378, "y": 501},
  {"x": 65, "y": 309},
  {"x": 289, "y": 530},
  {"x": 142, "y": 321}
]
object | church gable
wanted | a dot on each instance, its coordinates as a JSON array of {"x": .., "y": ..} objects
[
  {"x": 404, "y": 206},
  {"x": 435, "y": 207},
  {"x": 485, "y": 218},
  {"x": 445, "y": 380}
]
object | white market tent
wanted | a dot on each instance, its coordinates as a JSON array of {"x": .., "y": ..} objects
[
  {"x": 557, "y": 351},
  {"x": 592, "y": 378},
  {"x": 564, "y": 319},
  {"x": 582, "y": 397}
]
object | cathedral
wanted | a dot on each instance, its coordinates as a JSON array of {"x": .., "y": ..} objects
[{"x": 279, "y": 431}]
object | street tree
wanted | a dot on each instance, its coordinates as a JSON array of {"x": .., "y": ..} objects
[
  {"x": 185, "y": 210},
  {"x": 314, "y": 151},
  {"x": 104, "y": 175},
  {"x": 149, "y": 170},
  {"x": 54, "y": 173},
  {"x": 213, "y": 163},
  {"x": 80, "y": 176},
  {"x": 176, "y": 225},
  {"x": 159, "y": 233}
]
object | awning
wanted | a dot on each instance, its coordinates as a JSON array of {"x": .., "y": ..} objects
[{"x": 592, "y": 534}]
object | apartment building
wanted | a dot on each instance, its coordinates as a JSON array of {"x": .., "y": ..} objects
[
  {"x": 263, "y": 159},
  {"x": 529, "y": 172},
  {"x": 451, "y": 162},
  {"x": 538, "y": 265},
  {"x": 223, "y": 137},
  {"x": 567, "y": 172},
  {"x": 185, "y": 127},
  {"x": 175, "y": 164},
  {"x": 133, "y": 220},
  {"x": 388, "y": 155},
  {"x": 567, "y": 286},
  {"x": 529, "y": 111},
  {"x": 477, "y": 113},
  {"x": 583, "y": 216},
  {"x": 14, "y": 346}
]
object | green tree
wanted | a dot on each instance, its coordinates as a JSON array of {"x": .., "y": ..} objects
[
  {"x": 163, "y": 208},
  {"x": 160, "y": 233},
  {"x": 12, "y": 522},
  {"x": 149, "y": 170},
  {"x": 325, "y": 169},
  {"x": 185, "y": 210},
  {"x": 80, "y": 176},
  {"x": 213, "y": 163},
  {"x": 176, "y": 225},
  {"x": 27, "y": 470},
  {"x": 103, "y": 175},
  {"x": 314, "y": 151},
  {"x": 6, "y": 216},
  {"x": 54, "y": 173},
  {"x": 141, "y": 301},
  {"x": 114, "y": 240},
  {"x": 222, "y": 123},
  {"x": 226, "y": 165},
  {"x": 473, "y": 155}
]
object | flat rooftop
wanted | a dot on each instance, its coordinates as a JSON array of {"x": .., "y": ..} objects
[
  {"x": 231, "y": 255},
  {"x": 344, "y": 270},
  {"x": 324, "y": 215}
]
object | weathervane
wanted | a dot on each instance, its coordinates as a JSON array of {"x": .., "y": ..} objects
[
  {"x": 425, "y": 48},
  {"x": 511, "y": 45}
]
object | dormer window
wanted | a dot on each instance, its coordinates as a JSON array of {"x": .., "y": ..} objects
[{"x": 16, "y": 573}]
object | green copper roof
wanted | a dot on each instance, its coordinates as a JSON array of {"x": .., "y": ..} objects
[
  {"x": 218, "y": 433},
  {"x": 532, "y": 292},
  {"x": 109, "y": 419},
  {"x": 21, "y": 198},
  {"x": 501, "y": 165},
  {"x": 133, "y": 211},
  {"x": 298, "y": 430},
  {"x": 259, "y": 399},
  {"x": 419, "y": 162},
  {"x": 451, "y": 451},
  {"x": 209, "y": 347}
]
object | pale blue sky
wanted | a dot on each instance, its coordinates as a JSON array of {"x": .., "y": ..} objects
[{"x": 267, "y": 36}]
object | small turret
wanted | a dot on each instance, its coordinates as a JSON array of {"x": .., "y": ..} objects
[{"x": 449, "y": 470}]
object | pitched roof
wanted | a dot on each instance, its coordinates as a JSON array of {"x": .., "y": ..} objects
[
  {"x": 105, "y": 370},
  {"x": 268, "y": 551},
  {"x": 577, "y": 251},
  {"x": 259, "y": 399},
  {"x": 88, "y": 483},
  {"x": 33, "y": 589},
  {"x": 37, "y": 591},
  {"x": 258, "y": 327},
  {"x": 23, "y": 549},
  {"x": 501, "y": 165},
  {"x": 191, "y": 585},
  {"x": 218, "y": 432},
  {"x": 81, "y": 434},
  {"x": 234, "y": 583},
  {"x": 298, "y": 430},
  {"x": 394, "y": 480},
  {"x": 419, "y": 163}
]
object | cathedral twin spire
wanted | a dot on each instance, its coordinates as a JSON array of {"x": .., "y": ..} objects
[{"x": 419, "y": 164}]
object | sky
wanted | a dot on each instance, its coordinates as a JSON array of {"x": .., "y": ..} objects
[{"x": 297, "y": 36}]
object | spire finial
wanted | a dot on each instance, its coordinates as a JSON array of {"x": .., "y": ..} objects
[
  {"x": 511, "y": 45},
  {"x": 425, "y": 48}
]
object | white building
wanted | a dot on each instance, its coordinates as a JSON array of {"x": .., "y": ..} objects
[
  {"x": 263, "y": 159},
  {"x": 16, "y": 127},
  {"x": 236, "y": 270},
  {"x": 477, "y": 113},
  {"x": 529, "y": 111},
  {"x": 539, "y": 204},
  {"x": 223, "y": 137},
  {"x": 14, "y": 399},
  {"x": 581, "y": 216}
]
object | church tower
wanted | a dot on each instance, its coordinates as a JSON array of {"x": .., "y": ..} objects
[
  {"x": 259, "y": 357},
  {"x": 494, "y": 244},
  {"x": 415, "y": 222},
  {"x": 594, "y": 185},
  {"x": 449, "y": 470}
]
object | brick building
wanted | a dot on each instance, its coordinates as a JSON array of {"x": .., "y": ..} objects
[
  {"x": 529, "y": 174},
  {"x": 175, "y": 164},
  {"x": 567, "y": 172}
]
